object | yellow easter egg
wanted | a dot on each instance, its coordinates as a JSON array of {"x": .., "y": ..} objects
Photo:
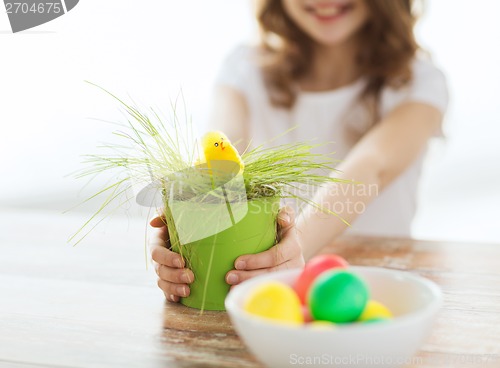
[
  {"x": 374, "y": 310},
  {"x": 275, "y": 301}
]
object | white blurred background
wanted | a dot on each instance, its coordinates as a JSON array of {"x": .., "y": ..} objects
[{"x": 150, "y": 49}]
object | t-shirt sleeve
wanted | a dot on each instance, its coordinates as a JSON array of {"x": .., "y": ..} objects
[
  {"x": 237, "y": 70},
  {"x": 428, "y": 85}
]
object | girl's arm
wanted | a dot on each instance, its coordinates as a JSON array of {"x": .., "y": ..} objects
[{"x": 378, "y": 158}]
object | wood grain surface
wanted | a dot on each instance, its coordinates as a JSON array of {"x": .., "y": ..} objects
[{"x": 96, "y": 304}]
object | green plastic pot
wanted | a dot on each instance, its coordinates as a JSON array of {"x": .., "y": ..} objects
[{"x": 212, "y": 257}]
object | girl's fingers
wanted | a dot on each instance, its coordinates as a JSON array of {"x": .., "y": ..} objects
[
  {"x": 286, "y": 221},
  {"x": 173, "y": 278},
  {"x": 287, "y": 249},
  {"x": 286, "y": 254},
  {"x": 175, "y": 275},
  {"x": 162, "y": 234},
  {"x": 164, "y": 256},
  {"x": 280, "y": 253},
  {"x": 169, "y": 266},
  {"x": 172, "y": 298},
  {"x": 235, "y": 277},
  {"x": 158, "y": 221},
  {"x": 173, "y": 291}
]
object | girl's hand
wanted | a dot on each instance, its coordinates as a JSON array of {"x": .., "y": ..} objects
[
  {"x": 284, "y": 255},
  {"x": 173, "y": 278}
]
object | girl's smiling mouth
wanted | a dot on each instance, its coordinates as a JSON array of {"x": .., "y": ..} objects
[{"x": 328, "y": 11}]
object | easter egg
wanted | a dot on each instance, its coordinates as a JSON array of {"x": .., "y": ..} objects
[
  {"x": 306, "y": 314},
  {"x": 274, "y": 301},
  {"x": 337, "y": 296},
  {"x": 316, "y": 266},
  {"x": 374, "y": 311}
]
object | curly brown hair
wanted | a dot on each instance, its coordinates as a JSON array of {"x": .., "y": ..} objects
[{"x": 387, "y": 48}]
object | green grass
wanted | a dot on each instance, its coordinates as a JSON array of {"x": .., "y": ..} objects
[{"x": 153, "y": 149}]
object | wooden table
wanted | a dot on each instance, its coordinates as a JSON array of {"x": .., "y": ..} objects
[{"x": 96, "y": 305}]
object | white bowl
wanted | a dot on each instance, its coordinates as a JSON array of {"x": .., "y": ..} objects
[{"x": 413, "y": 300}]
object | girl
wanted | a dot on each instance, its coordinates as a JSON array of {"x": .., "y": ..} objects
[{"x": 339, "y": 70}]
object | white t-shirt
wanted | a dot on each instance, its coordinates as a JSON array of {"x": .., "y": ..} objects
[{"x": 338, "y": 117}]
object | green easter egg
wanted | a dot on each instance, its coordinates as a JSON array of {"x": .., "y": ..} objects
[{"x": 338, "y": 297}]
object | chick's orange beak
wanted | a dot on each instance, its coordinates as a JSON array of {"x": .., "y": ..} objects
[{"x": 222, "y": 146}]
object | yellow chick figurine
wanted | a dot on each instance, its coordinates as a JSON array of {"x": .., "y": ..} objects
[{"x": 216, "y": 146}]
